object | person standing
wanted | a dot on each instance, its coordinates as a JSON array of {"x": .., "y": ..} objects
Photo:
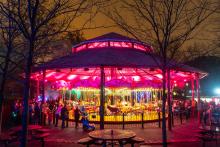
[
  {"x": 67, "y": 118},
  {"x": 50, "y": 113},
  {"x": 76, "y": 116},
  {"x": 36, "y": 114},
  {"x": 44, "y": 113},
  {"x": 30, "y": 113},
  {"x": 57, "y": 114},
  {"x": 63, "y": 115}
]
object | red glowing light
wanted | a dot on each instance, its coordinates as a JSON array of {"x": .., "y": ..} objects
[
  {"x": 82, "y": 47},
  {"x": 136, "y": 78},
  {"x": 159, "y": 76},
  {"x": 140, "y": 47},
  {"x": 121, "y": 44},
  {"x": 71, "y": 77},
  {"x": 181, "y": 74},
  {"x": 50, "y": 74},
  {"x": 98, "y": 44},
  {"x": 84, "y": 77},
  {"x": 59, "y": 76}
]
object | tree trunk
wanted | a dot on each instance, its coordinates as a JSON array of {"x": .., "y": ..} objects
[
  {"x": 164, "y": 133},
  {"x": 169, "y": 101},
  {"x": 4, "y": 76},
  {"x": 2, "y": 96},
  {"x": 1, "y": 109},
  {"x": 26, "y": 96}
]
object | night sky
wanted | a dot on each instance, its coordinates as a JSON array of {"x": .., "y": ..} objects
[{"x": 205, "y": 35}]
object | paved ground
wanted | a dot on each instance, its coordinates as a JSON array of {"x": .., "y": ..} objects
[{"x": 182, "y": 135}]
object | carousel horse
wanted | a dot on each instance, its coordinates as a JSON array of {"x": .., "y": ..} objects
[{"x": 113, "y": 110}]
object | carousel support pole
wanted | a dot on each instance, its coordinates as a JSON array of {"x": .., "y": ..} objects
[
  {"x": 193, "y": 95},
  {"x": 171, "y": 98},
  {"x": 42, "y": 117},
  {"x": 102, "y": 98},
  {"x": 169, "y": 101},
  {"x": 43, "y": 86},
  {"x": 198, "y": 96},
  {"x": 38, "y": 88}
]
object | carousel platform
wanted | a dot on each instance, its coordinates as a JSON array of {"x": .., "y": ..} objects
[{"x": 129, "y": 118}]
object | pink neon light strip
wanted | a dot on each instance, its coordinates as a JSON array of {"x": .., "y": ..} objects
[{"x": 121, "y": 44}]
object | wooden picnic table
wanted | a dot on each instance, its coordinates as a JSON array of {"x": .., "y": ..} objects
[
  {"x": 214, "y": 129},
  {"x": 112, "y": 135},
  {"x": 36, "y": 132}
]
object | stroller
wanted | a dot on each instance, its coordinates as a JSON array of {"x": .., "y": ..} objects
[{"x": 86, "y": 125}]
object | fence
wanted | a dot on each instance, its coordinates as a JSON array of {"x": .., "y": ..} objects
[{"x": 126, "y": 118}]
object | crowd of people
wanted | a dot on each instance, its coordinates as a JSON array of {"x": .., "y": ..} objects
[
  {"x": 50, "y": 113},
  {"x": 210, "y": 113}
]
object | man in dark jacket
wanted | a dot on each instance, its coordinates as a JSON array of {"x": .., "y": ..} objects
[
  {"x": 76, "y": 117},
  {"x": 63, "y": 115}
]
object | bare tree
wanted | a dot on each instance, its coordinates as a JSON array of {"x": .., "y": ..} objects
[
  {"x": 32, "y": 19},
  {"x": 9, "y": 61},
  {"x": 167, "y": 25}
]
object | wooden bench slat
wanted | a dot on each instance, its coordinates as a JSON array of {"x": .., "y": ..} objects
[{"x": 86, "y": 140}]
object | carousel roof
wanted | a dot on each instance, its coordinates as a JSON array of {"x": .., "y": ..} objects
[{"x": 114, "y": 51}]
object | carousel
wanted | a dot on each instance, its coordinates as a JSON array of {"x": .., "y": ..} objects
[{"x": 112, "y": 78}]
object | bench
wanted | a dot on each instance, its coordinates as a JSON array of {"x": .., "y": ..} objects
[
  {"x": 41, "y": 137},
  {"x": 42, "y": 130},
  {"x": 7, "y": 138},
  {"x": 207, "y": 138},
  {"x": 135, "y": 140},
  {"x": 86, "y": 141}
]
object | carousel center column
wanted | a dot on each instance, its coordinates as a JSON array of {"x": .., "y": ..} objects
[{"x": 102, "y": 97}]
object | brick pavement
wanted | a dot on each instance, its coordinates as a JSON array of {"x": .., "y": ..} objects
[{"x": 181, "y": 135}]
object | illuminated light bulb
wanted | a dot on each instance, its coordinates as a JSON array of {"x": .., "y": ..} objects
[
  {"x": 71, "y": 77},
  {"x": 159, "y": 76},
  {"x": 136, "y": 78},
  {"x": 50, "y": 74},
  {"x": 60, "y": 76},
  {"x": 217, "y": 90},
  {"x": 181, "y": 74},
  {"x": 84, "y": 77},
  {"x": 108, "y": 78}
]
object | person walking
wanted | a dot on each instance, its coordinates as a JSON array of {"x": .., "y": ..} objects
[{"x": 76, "y": 116}]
